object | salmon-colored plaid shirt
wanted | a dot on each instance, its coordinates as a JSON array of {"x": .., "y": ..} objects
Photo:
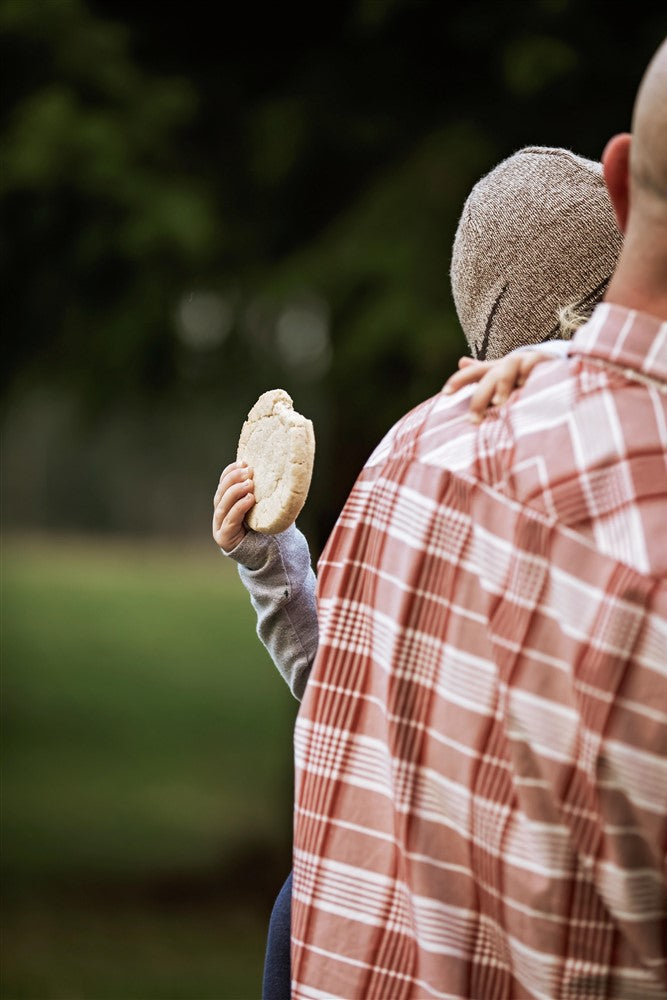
[{"x": 481, "y": 802}]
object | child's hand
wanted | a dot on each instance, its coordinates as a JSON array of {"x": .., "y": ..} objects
[
  {"x": 233, "y": 499},
  {"x": 497, "y": 379}
]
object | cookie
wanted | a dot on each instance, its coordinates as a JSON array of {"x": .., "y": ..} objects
[{"x": 279, "y": 445}]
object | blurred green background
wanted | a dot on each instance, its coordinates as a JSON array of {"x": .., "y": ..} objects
[{"x": 200, "y": 203}]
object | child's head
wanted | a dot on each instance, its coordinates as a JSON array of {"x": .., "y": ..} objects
[{"x": 537, "y": 233}]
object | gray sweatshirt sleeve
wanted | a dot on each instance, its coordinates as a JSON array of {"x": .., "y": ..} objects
[{"x": 276, "y": 571}]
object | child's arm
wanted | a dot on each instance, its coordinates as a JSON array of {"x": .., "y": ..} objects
[
  {"x": 276, "y": 571},
  {"x": 498, "y": 379}
]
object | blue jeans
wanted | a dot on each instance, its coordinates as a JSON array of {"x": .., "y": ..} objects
[{"x": 277, "y": 981}]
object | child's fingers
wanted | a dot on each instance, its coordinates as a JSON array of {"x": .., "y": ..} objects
[
  {"x": 228, "y": 527},
  {"x": 230, "y": 519},
  {"x": 233, "y": 473},
  {"x": 501, "y": 379},
  {"x": 231, "y": 495},
  {"x": 495, "y": 387},
  {"x": 471, "y": 371},
  {"x": 481, "y": 398}
]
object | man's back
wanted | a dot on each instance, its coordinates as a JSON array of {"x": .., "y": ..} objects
[
  {"x": 586, "y": 447},
  {"x": 481, "y": 799}
]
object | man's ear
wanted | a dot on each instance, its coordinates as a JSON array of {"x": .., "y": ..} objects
[{"x": 616, "y": 168}]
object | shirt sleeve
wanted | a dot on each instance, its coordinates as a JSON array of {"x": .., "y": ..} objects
[{"x": 277, "y": 573}]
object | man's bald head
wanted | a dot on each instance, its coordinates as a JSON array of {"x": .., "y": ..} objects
[
  {"x": 635, "y": 171},
  {"x": 648, "y": 152}
]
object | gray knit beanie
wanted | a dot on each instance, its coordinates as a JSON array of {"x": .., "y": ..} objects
[{"x": 537, "y": 233}]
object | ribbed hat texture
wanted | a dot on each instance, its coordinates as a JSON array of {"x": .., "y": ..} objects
[{"x": 537, "y": 233}]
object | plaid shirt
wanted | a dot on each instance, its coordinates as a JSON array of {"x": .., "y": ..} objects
[{"x": 481, "y": 800}]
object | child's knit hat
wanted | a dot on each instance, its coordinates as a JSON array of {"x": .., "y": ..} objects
[{"x": 536, "y": 234}]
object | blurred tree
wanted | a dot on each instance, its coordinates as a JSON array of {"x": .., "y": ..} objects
[
  {"x": 203, "y": 207},
  {"x": 100, "y": 216}
]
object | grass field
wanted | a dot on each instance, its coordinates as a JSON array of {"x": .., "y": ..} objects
[{"x": 146, "y": 775}]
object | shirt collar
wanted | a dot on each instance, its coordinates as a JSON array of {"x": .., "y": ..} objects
[{"x": 626, "y": 338}]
